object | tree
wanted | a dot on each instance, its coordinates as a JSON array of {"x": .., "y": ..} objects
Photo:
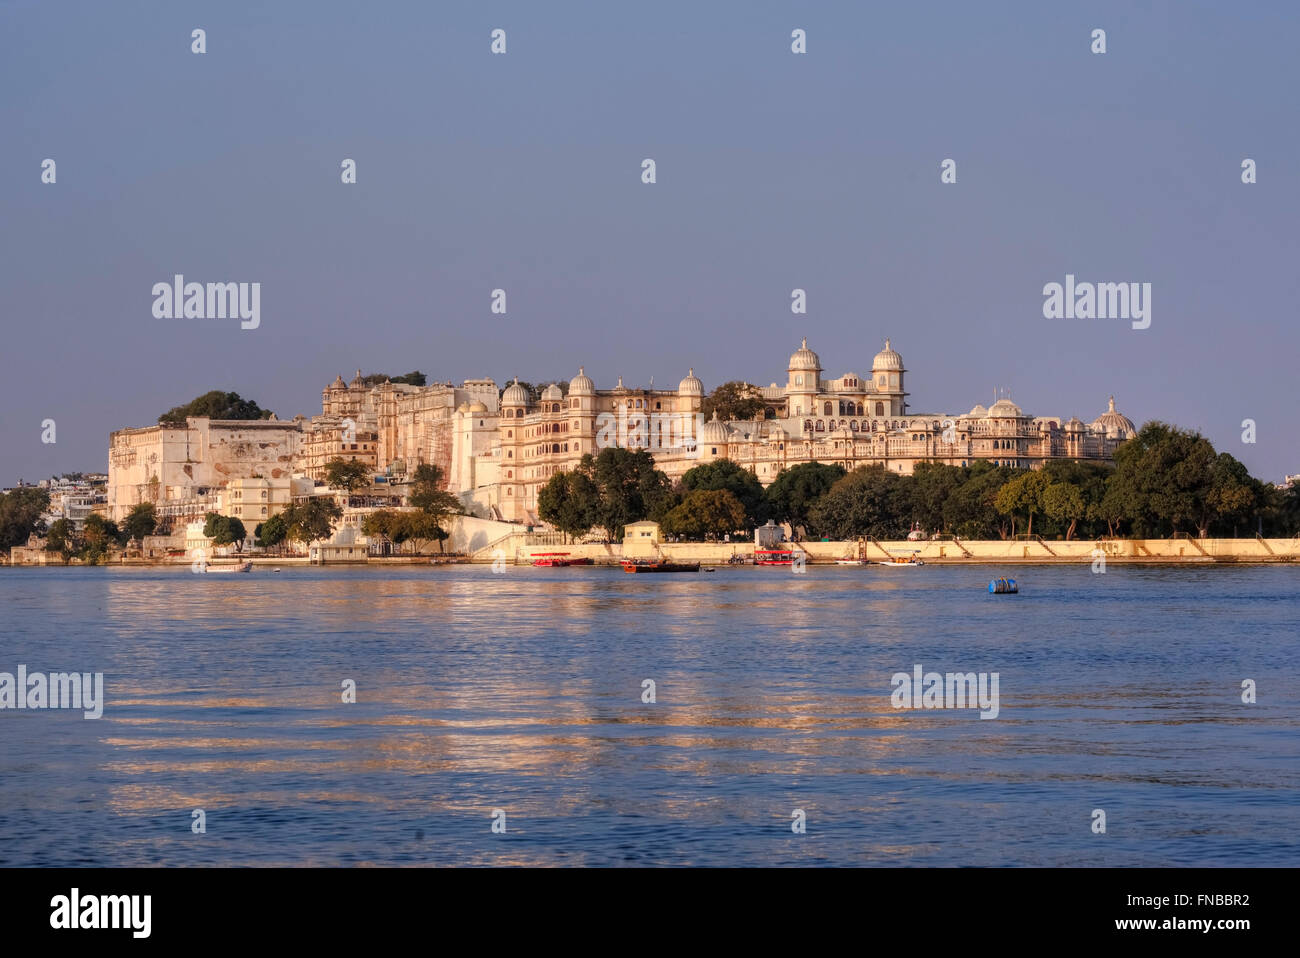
[
  {"x": 98, "y": 536},
  {"x": 141, "y": 521},
  {"x": 1022, "y": 496},
  {"x": 869, "y": 501},
  {"x": 415, "y": 378},
  {"x": 429, "y": 495},
  {"x": 311, "y": 520},
  {"x": 734, "y": 400},
  {"x": 631, "y": 488},
  {"x": 705, "y": 513},
  {"x": 215, "y": 405},
  {"x": 404, "y": 526},
  {"x": 347, "y": 474},
  {"x": 739, "y": 481},
  {"x": 969, "y": 510},
  {"x": 61, "y": 538},
  {"x": 272, "y": 532},
  {"x": 796, "y": 490},
  {"x": 20, "y": 515},
  {"x": 224, "y": 530},
  {"x": 570, "y": 501},
  {"x": 1064, "y": 503}
]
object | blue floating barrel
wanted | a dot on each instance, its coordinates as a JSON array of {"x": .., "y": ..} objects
[{"x": 1003, "y": 586}]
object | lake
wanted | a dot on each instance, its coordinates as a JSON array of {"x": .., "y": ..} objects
[{"x": 517, "y": 699}]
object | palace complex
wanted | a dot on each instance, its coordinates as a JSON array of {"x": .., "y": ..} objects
[{"x": 498, "y": 447}]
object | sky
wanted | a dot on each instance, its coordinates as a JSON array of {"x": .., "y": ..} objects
[{"x": 522, "y": 171}]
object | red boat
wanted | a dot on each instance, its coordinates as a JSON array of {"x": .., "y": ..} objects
[{"x": 557, "y": 559}]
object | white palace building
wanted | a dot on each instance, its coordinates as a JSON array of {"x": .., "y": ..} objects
[{"x": 499, "y": 447}]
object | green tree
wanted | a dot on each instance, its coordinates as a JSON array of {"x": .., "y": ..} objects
[
  {"x": 141, "y": 521},
  {"x": 869, "y": 501},
  {"x": 429, "y": 495},
  {"x": 734, "y": 478},
  {"x": 415, "y": 378},
  {"x": 61, "y": 538},
  {"x": 98, "y": 537},
  {"x": 570, "y": 501},
  {"x": 734, "y": 400},
  {"x": 1064, "y": 503},
  {"x": 20, "y": 515},
  {"x": 706, "y": 513},
  {"x": 796, "y": 490},
  {"x": 969, "y": 511},
  {"x": 631, "y": 488},
  {"x": 311, "y": 520},
  {"x": 224, "y": 530},
  {"x": 272, "y": 532},
  {"x": 215, "y": 405},
  {"x": 347, "y": 474},
  {"x": 1022, "y": 496}
]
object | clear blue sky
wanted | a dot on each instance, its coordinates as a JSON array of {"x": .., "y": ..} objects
[{"x": 522, "y": 171}]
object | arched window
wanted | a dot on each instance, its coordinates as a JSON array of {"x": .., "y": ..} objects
[
  {"x": 807, "y": 425},
  {"x": 854, "y": 425},
  {"x": 821, "y": 426},
  {"x": 880, "y": 409},
  {"x": 826, "y": 409},
  {"x": 555, "y": 447}
]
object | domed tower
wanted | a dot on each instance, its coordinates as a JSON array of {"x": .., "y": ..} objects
[
  {"x": 804, "y": 383},
  {"x": 887, "y": 376},
  {"x": 331, "y": 396},
  {"x": 1114, "y": 425},
  {"x": 582, "y": 407},
  {"x": 514, "y": 401},
  {"x": 713, "y": 439},
  {"x": 690, "y": 393}
]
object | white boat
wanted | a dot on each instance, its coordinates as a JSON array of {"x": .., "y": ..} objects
[
  {"x": 849, "y": 562},
  {"x": 246, "y": 566},
  {"x": 901, "y": 561}
]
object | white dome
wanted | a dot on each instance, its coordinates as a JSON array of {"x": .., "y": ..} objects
[
  {"x": 552, "y": 393},
  {"x": 805, "y": 358},
  {"x": 690, "y": 386},
  {"x": 714, "y": 433},
  {"x": 581, "y": 385},
  {"x": 1114, "y": 424},
  {"x": 886, "y": 359},
  {"x": 979, "y": 412},
  {"x": 515, "y": 395},
  {"x": 1005, "y": 409}
]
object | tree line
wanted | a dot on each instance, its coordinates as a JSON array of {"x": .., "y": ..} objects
[{"x": 1164, "y": 481}]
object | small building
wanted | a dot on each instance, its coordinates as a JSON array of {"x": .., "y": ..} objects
[{"x": 640, "y": 539}]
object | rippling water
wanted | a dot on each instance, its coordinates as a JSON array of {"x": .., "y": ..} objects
[{"x": 522, "y": 692}]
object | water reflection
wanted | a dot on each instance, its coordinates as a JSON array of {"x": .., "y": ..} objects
[{"x": 523, "y": 691}]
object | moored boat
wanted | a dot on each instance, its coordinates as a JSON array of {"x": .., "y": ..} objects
[
  {"x": 658, "y": 565},
  {"x": 246, "y": 566},
  {"x": 901, "y": 561},
  {"x": 558, "y": 559}
]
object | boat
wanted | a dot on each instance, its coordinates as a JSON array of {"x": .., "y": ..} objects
[
  {"x": 901, "y": 560},
  {"x": 773, "y": 556},
  {"x": 246, "y": 566},
  {"x": 551, "y": 560},
  {"x": 658, "y": 565},
  {"x": 850, "y": 562}
]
